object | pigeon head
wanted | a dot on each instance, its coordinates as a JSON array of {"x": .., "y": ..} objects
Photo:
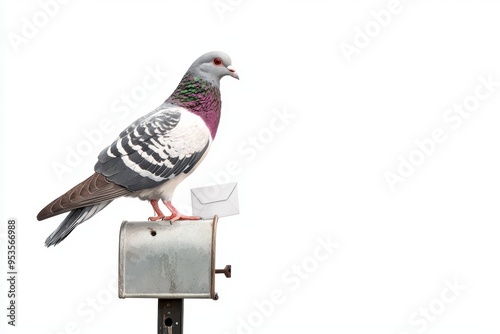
[
  {"x": 199, "y": 92},
  {"x": 213, "y": 66}
]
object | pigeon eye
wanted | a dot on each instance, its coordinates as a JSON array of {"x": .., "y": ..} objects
[{"x": 217, "y": 61}]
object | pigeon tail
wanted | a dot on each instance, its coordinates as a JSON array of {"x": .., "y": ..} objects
[{"x": 72, "y": 220}]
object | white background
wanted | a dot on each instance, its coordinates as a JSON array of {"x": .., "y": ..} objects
[{"x": 318, "y": 176}]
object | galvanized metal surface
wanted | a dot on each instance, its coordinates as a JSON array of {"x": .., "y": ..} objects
[{"x": 167, "y": 261}]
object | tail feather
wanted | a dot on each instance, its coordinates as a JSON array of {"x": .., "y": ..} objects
[
  {"x": 94, "y": 190},
  {"x": 72, "y": 220}
]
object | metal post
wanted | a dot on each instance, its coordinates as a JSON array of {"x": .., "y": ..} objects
[{"x": 170, "y": 316}]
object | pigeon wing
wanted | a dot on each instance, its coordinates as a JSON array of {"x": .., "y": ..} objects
[{"x": 155, "y": 149}]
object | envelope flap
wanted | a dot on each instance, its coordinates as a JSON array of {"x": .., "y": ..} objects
[{"x": 217, "y": 193}]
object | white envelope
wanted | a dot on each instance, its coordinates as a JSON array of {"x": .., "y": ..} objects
[{"x": 220, "y": 200}]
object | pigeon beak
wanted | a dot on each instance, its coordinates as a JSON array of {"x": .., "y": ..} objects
[{"x": 233, "y": 72}]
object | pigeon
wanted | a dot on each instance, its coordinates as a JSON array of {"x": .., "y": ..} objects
[{"x": 153, "y": 154}]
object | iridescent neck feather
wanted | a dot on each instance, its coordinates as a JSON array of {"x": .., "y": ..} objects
[{"x": 200, "y": 97}]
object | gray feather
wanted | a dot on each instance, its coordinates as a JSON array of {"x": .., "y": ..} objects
[
  {"x": 72, "y": 220},
  {"x": 147, "y": 153}
]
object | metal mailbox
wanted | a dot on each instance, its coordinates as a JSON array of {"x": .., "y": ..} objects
[{"x": 168, "y": 261}]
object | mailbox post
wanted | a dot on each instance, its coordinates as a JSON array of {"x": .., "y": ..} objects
[{"x": 169, "y": 262}]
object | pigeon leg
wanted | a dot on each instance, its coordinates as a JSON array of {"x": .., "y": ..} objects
[
  {"x": 159, "y": 214},
  {"x": 176, "y": 215}
]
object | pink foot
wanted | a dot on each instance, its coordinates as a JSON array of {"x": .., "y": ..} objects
[
  {"x": 159, "y": 214},
  {"x": 176, "y": 215}
]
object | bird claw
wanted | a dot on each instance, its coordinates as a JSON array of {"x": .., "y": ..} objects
[
  {"x": 174, "y": 218},
  {"x": 156, "y": 218}
]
